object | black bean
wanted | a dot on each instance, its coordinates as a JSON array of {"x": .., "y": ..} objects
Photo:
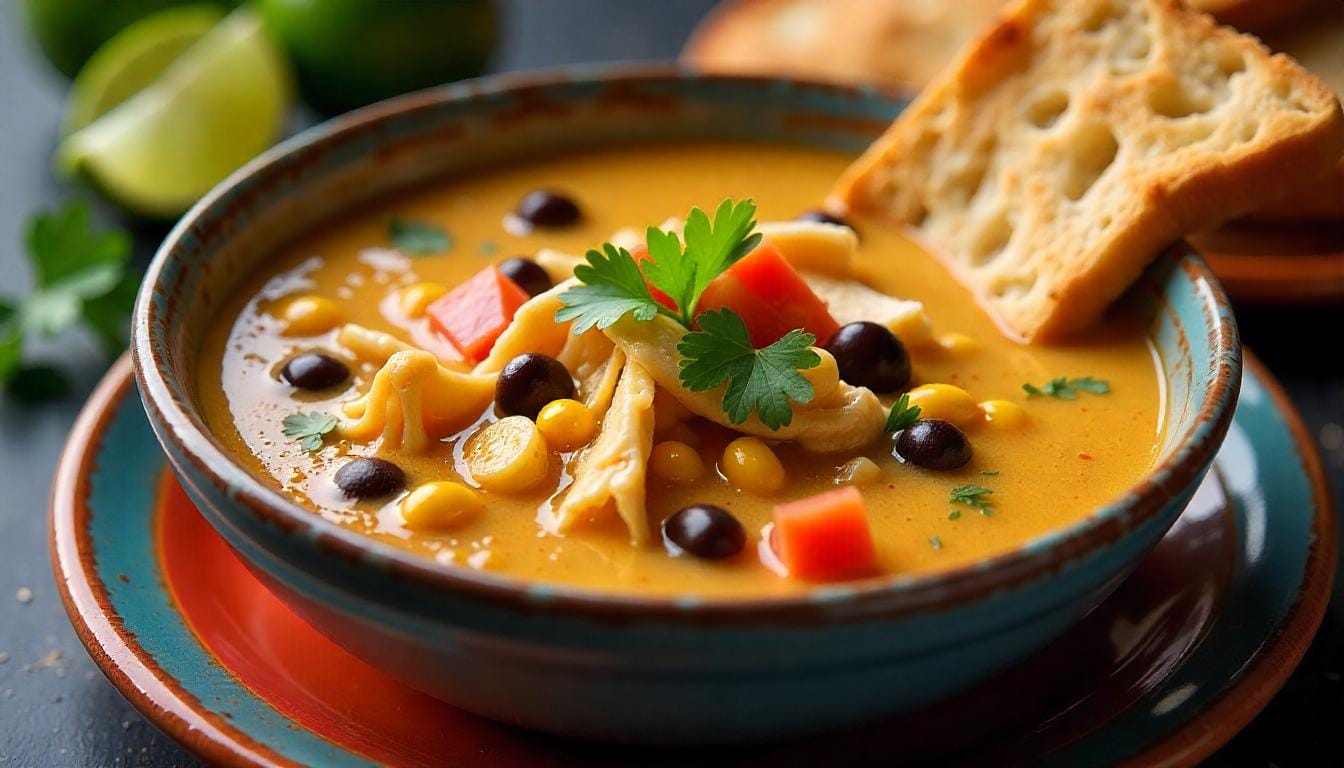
[
  {"x": 314, "y": 371},
  {"x": 370, "y": 478},
  {"x": 544, "y": 208},
  {"x": 531, "y": 381},
  {"x": 705, "y": 531},
  {"x": 822, "y": 217},
  {"x": 527, "y": 273},
  {"x": 933, "y": 444},
  {"x": 869, "y": 355}
]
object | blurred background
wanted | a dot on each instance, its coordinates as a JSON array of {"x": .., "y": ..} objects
[{"x": 115, "y": 115}]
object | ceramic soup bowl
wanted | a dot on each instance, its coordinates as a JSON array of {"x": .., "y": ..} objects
[{"x": 628, "y": 668}]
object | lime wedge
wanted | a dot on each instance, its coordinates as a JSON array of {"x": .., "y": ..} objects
[
  {"x": 215, "y": 107},
  {"x": 133, "y": 59}
]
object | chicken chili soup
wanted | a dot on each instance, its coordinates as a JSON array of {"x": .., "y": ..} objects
[{"x": 661, "y": 370}]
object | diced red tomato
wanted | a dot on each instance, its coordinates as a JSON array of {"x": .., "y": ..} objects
[
  {"x": 475, "y": 313},
  {"x": 825, "y": 537},
  {"x": 771, "y": 297},
  {"x": 641, "y": 255}
]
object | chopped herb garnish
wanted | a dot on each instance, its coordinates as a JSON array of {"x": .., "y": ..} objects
[
  {"x": 1067, "y": 389},
  {"x": 990, "y": 472},
  {"x": 717, "y": 347},
  {"x": 488, "y": 247},
  {"x": 902, "y": 414},
  {"x": 418, "y": 238},
  {"x": 972, "y": 496},
  {"x": 612, "y": 287},
  {"x": 954, "y": 514},
  {"x": 935, "y": 542},
  {"x": 764, "y": 380},
  {"x": 711, "y": 248},
  {"x": 81, "y": 275},
  {"x": 308, "y": 429}
]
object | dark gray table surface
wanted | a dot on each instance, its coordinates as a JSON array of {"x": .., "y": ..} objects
[{"x": 56, "y": 709}]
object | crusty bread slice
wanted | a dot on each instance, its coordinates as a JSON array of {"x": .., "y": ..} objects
[{"x": 1074, "y": 139}]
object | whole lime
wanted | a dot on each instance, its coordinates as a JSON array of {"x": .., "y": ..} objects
[
  {"x": 348, "y": 53},
  {"x": 69, "y": 31}
]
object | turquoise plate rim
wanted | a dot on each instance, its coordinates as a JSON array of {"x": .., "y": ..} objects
[{"x": 118, "y": 603}]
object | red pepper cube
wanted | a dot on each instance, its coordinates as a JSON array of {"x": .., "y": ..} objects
[
  {"x": 825, "y": 537},
  {"x": 771, "y": 297},
  {"x": 475, "y": 313}
]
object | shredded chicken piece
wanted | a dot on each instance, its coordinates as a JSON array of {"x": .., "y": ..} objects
[
  {"x": 413, "y": 400},
  {"x": 596, "y": 363},
  {"x": 847, "y": 419},
  {"x": 851, "y": 301},
  {"x": 533, "y": 329},
  {"x": 611, "y": 471}
]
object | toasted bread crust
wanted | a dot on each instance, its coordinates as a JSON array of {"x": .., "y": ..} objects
[{"x": 1074, "y": 139}]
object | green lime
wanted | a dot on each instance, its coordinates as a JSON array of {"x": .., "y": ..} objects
[
  {"x": 134, "y": 59},
  {"x": 69, "y": 31},
  {"x": 348, "y": 53},
  {"x": 214, "y": 108}
]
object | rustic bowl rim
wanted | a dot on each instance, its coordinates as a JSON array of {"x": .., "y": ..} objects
[{"x": 886, "y": 596}]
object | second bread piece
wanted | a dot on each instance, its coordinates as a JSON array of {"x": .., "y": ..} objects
[{"x": 1076, "y": 138}]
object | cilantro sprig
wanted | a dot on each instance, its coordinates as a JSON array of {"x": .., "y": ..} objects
[
  {"x": 976, "y": 496},
  {"x": 1065, "y": 388},
  {"x": 612, "y": 286},
  {"x": 902, "y": 415},
  {"x": 308, "y": 429},
  {"x": 418, "y": 238},
  {"x": 81, "y": 275},
  {"x": 763, "y": 380},
  {"x": 717, "y": 347}
]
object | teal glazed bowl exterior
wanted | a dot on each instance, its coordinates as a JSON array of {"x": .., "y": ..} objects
[{"x": 618, "y": 667}]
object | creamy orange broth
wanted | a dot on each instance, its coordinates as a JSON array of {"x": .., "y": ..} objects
[{"x": 1072, "y": 456}]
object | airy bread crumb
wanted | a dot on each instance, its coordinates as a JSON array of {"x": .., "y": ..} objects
[{"x": 1074, "y": 139}]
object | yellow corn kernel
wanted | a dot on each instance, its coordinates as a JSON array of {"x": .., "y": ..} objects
[
  {"x": 508, "y": 456},
  {"x": 309, "y": 316},
  {"x": 440, "y": 506},
  {"x": 750, "y": 465},
  {"x": 1004, "y": 414},
  {"x": 860, "y": 471},
  {"x": 676, "y": 462},
  {"x": 566, "y": 424},
  {"x": 946, "y": 402},
  {"x": 415, "y": 299},
  {"x": 959, "y": 343},
  {"x": 825, "y": 377}
]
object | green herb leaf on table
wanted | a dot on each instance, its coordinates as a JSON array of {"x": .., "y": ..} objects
[
  {"x": 902, "y": 415},
  {"x": 765, "y": 380},
  {"x": 1065, "y": 388},
  {"x": 80, "y": 275},
  {"x": 972, "y": 496},
  {"x": 308, "y": 429},
  {"x": 612, "y": 286},
  {"x": 418, "y": 238}
]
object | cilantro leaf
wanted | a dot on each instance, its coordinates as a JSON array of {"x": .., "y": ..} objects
[
  {"x": 765, "y": 380},
  {"x": 711, "y": 248},
  {"x": 612, "y": 286},
  {"x": 308, "y": 429},
  {"x": 80, "y": 274},
  {"x": 902, "y": 414},
  {"x": 1065, "y": 388},
  {"x": 418, "y": 238},
  {"x": 972, "y": 496}
]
